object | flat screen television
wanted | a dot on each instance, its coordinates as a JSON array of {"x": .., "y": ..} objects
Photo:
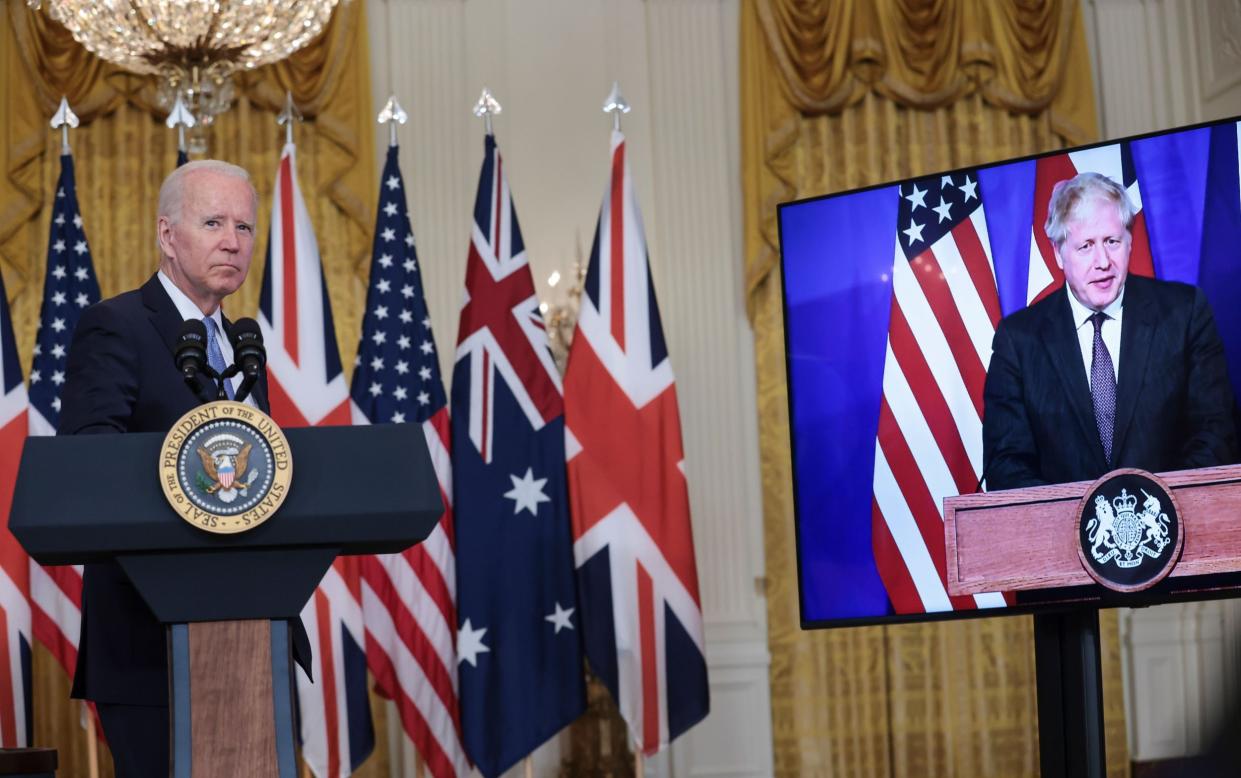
[{"x": 870, "y": 346}]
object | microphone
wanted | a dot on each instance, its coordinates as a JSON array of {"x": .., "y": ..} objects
[
  {"x": 190, "y": 354},
  {"x": 249, "y": 354}
]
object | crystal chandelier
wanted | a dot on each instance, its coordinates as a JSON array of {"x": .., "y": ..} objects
[{"x": 192, "y": 46}]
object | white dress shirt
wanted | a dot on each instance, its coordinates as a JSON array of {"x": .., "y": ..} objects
[
  {"x": 188, "y": 310},
  {"x": 1111, "y": 330}
]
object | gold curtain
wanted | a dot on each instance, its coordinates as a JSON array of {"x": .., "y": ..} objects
[
  {"x": 843, "y": 94},
  {"x": 122, "y": 151}
]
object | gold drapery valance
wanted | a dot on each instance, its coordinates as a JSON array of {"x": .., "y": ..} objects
[
  {"x": 122, "y": 151},
  {"x": 841, "y": 94},
  {"x": 1027, "y": 57}
]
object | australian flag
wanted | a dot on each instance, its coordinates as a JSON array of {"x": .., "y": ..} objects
[{"x": 519, "y": 645}]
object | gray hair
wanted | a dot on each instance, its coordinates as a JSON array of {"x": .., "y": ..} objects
[
  {"x": 172, "y": 191},
  {"x": 1067, "y": 197}
]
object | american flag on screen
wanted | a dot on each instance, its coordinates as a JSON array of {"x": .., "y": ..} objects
[
  {"x": 945, "y": 308},
  {"x": 69, "y": 286},
  {"x": 633, "y": 544},
  {"x": 16, "y": 723},
  {"x": 1114, "y": 161},
  {"x": 409, "y": 600},
  {"x": 307, "y": 388},
  {"x": 519, "y": 644}
]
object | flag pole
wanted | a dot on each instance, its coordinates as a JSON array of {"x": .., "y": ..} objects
[
  {"x": 392, "y": 115},
  {"x": 486, "y": 107},
  {"x": 528, "y": 764},
  {"x": 63, "y": 120},
  {"x": 616, "y": 105},
  {"x": 286, "y": 117},
  {"x": 92, "y": 742},
  {"x": 639, "y": 763}
]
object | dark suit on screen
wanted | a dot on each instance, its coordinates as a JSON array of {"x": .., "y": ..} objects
[
  {"x": 121, "y": 377},
  {"x": 1174, "y": 403}
]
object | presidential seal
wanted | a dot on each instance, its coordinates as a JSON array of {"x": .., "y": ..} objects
[
  {"x": 1129, "y": 530},
  {"x": 225, "y": 467}
]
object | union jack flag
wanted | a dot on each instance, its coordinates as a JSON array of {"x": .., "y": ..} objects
[
  {"x": 1114, "y": 161},
  {"x": 409, "y": 599},
  {"x": 307, "y": 388},
  {"x": 633, "y": 544},
  {"x": 518, "y": 648},
  {"x": 69, "y": 286},
  {"x": 945, "y": 308},
  {"x": 15, "y": 709}
]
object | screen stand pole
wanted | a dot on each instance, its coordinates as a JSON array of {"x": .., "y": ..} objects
[{"x": 1070, "y": 694}]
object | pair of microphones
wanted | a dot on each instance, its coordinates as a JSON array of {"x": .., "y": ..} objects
[{"x": 249, "y": 357}]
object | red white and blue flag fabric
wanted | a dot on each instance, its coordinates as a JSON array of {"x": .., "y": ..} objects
[
  {"x": 307, "y": 388},
  {"x": 1114, "y": 161},
  {"x": 69, "y": 286},
  {"x": 633, "y": 544},
  {"x": 945, "y": 308},
  {"x": 409, "y": 599},
  {"x": 16, "y": 723},
  {"x": 519, "y": 645}
]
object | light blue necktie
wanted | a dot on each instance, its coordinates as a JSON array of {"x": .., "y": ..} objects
[{"x": 215, "y": 357}]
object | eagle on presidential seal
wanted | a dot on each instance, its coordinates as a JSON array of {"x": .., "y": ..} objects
[{"x": 225, "y": 459}]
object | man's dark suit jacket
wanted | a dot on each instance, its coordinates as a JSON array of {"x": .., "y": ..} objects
[
  {"x": 1174, "y": 403},
  {"x": 121, "y": 377}
]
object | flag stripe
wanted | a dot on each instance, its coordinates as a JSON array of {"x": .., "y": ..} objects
[
  {"x": 909, "y": 365},
  {"x": 971, "y": 243},
  {"x": 327, "y": 670},
  {"x": 898, "y": 582},
  {"x": 930, "y": 275}
]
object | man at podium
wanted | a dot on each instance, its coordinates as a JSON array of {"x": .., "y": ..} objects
[
  {"x": 1108, "y": 371},
  {"x": 121, "y": 377}
]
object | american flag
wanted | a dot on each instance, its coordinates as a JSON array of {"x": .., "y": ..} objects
[
  {"x": 307, "y": 388},
  {"x": 1114, "y": 161},
  {"x": 519, "y": 644},
  {"x": 15, "y": 711},
  {"x": 945, "y": 308},
  {"x": 633, "y": 544},
  {"x": 409, "y": 599},
  {"x": 68, "y": 287}
]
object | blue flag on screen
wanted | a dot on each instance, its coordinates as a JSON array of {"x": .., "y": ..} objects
[{"x": 519, "y": 645}]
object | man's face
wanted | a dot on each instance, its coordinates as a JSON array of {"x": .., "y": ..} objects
[
  {"x": 207, "y": 251},
  {"x": 1095, "y": 255}
]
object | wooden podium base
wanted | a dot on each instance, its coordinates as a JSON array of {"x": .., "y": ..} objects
[{"x": 232, "y": 699}]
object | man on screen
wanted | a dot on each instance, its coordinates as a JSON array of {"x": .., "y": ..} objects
[
  {"x": 1108, "y": 371},
  {"x": 121, "y": 377}
]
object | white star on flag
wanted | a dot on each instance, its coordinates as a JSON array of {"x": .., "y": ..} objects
[
  {"x": 968, "y": 188},
  {"x": 388, "y": 234},
  {"x": 944, "y": 209},
  {"x": 394, "y": 183},
  {"x": 470, "y": 644},
  {"x": 560, "y": 618},
  {"x": 527, "y": 493},
  {"x": 390, "y": 209},
  {"x": 914, "y": 232},
  {"x": 917, "y": 197}
]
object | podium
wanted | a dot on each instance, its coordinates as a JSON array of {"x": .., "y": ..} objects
[
  {"x": 227, "y": 599},
  {"x": 1026, "y": 541}
]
